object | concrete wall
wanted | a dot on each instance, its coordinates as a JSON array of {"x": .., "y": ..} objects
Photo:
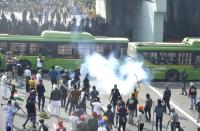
[
  {"x": 139, "y": 20},
  {"x": 101, "y": 8},
  {"x": 149, "y": 21}
]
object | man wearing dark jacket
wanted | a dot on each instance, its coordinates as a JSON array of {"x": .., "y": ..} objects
[
  {"x": 147, "y": 108},
  {"x": 31, "y": 111},
  {"x": 55, "y": 101},
  {"x": 114, "y": 95},
  {"x": 167, "y": 96},
  {"x": 40, "y": 91},
  {"x": 64, "y": 91},
  {"x": 122, "y": 112},
  {"x": 183, "y": 82}
]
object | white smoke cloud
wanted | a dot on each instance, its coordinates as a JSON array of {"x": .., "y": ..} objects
[{"x": 110, "y": 71}]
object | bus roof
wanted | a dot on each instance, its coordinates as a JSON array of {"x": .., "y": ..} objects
[
  {"x": 58, "y": 36},
  {"x": 187, "y": 44},
  {"x": 155, "y": 44},
  {"x": 195, "y": 42}
]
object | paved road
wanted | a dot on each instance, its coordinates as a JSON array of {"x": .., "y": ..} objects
[{"x": 181, "y": 101}]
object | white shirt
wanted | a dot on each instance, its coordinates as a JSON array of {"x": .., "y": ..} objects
[
  {"x": 74, "y": 122},
  {"x": 38, "y": 77},
  {"x": 4, "y": 80},
  {"x": 102, "y": 128},
  {"x": 97, "y": 107},
  {"x": 9, "y": 111},
  {"x": 141, "y": 118},
  {"x": 39, "y": 63},
  {"x": 27, "y": 72}
]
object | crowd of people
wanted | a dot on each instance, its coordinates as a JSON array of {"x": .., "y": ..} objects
[
  {"x": 32, "y": 17},
  {"x": 74, "y": 93},
  {"x": 95, "y": 25},
  {"x": 59, "y": 16}
]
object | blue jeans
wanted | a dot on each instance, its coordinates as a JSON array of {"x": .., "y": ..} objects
[{"x": 193, "y": 101}]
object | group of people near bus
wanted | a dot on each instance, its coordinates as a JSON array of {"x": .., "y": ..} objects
[
  {"x": 71, "y": 92},
  {"x": 74, "y": 95}
]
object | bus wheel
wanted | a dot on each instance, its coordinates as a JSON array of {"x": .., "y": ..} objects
[
  {"x": 172, "y": 75},
  {"x": 25, "y": 63}
]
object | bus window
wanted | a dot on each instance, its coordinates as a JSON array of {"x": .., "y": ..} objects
[
  {"x": 65, "y": 50},
  {"x": 153, "y": 57},
  {"x": 171, "y": 58},
  {"x": 108, "y": 49},
  {"x": 115, "y": 49},
  {"x": 17, "y": 48},
  {"x": 167, "y": 58},
  {"x": 197, "y": 61},
  {"x": 83, "y": 50},
  {"x": 99, "y": 49},
  {"x": 92, "y": 49},
  {"x": 162, "y": 59},
  {"x": 3, "y": 47},
  {"x": 51, "y": 49},
  {"x": 123, "y": 51},
  {"x": 184, "y": 58},
  {"x": 34, "y": 49},
  {"x": 146, "y": 56}
]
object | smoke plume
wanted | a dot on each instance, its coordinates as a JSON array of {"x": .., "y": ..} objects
[{"x": 110, "y": 71}]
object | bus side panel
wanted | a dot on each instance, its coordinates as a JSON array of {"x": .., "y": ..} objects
[
  {"x": 66, "y": 63},
  {"x": 196, "y": 74},
  {"x": 31, "y": 59},
  {"x": 158, "y": 72},
  {"x": 49, "y": 62}
]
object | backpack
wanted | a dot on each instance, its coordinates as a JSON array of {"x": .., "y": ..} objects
[{"x": 193, "y": 91}]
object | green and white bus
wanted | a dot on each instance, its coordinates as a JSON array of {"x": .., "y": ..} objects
[
  {"x": 65, "y": 49},
  {"x": 166, "y": 61}
]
